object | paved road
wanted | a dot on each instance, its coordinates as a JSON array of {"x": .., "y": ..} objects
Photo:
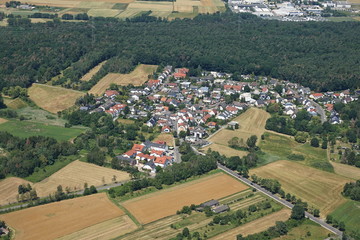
[
  {"x": 319, "y": 110},
  {"x": 280, "y": 200},
  {"x": 177, "y": 155}
]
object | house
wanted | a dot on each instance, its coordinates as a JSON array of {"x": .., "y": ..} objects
[
  {"x": 211, "y": 203},
  {"x": 150, "y": 166},
  {"x": 162, "y": 161},
  {"x": 221, "y": 208},
  {"x": 152, "y": 122},
  {"x": 316, "y": 96},
  {"x": 246, "y": 97},
  {"x": 138, "y": 147},
  {"x": 233, "y": 125},
  {"x": 166, "y": 129},
  {"x": 198, "y": 132},
  {"x": 155, "y": 146},
  {"x": 111, "y": 94},
  {"x": 130, "y": 154},
  {"x": 232, "y": 110},
  {"x": 126, "y": 161},
  {"x": 156, "y": 153},
  {"x": 212, "y": 124}
]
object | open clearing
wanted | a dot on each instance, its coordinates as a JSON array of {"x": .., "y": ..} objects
[
  {"x": 319, "y": 188},
  {"x": 3, "y": 120},
  {"x": 346, "y": 170},
  {"x": 53, "y": 99},
  {"x": 166, "y": 202},
  {"x": 92, "y": 72},
  {"x": 75, "y": 174},
  {"x": 137, "y": 77},
  {"x": 9, "y": 189},
  {"x": 349, "y": 213},
  {"x": 103, "y": 231},
  {"x": 58, "y": 219},
  {"x": 256, "y": 226},
  {"x": 301, "y": 232},
  {"x": 15, "y": 104},
  {"x": 166, "y": 137},
  {"x": 227, "y": 151}
]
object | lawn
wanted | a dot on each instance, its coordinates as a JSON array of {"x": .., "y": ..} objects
[
  {"x": 26, "y": 129},
  {"x": 349, "y": 213}
]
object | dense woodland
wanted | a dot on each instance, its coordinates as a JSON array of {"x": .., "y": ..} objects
[{"x": 322, "y": 55}]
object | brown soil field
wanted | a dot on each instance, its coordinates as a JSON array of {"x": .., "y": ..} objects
[
  {"x": 227, "y": 151},
  {"x": 58, "y": 219},
  {"x": 53, "y": 99},
  {"x": 9, "y": 189},
  {"x": 3, "y": 120},
  {"x": 166, "y": 137},
  {"x": 92, "y": 72},
  {"x": 103, "y": 231},
  {"x": 255, "y": 226},
  {"x": 346, "y": 170},
  {"x": 75, "y": 174},
  {"x": 137, "y": 77},
  {"x": 164, "y": 203},
  {"x": 319, "y": 188}
]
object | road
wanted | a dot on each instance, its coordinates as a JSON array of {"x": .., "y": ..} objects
[
  {"x": 280, "y": 200},
  {"x": 319, "y": 110}
]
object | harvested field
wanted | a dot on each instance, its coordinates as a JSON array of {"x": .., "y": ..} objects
[
  {"x": 227, "y": 151},
  {"x": 137, "y": 77},
  {"x": 9, "y": 189},
  {"x": 319, "y": 188},
  {"x": 166, "y": 137},
  {"x": 16, "y": 103},
  {"x": 106, "y": 230},
  {"x": 92, "y": 72},
  {"x": 75, "y": 174},
  {"x": 255, "y": 226},
  {"x": 53, "y": 99},
  {"x": 346, "y": 170},
  {"x": 3, "y": 120},
  {"x": 194, "y": 192},
  {"x": 58, "y": 219},
  {"x": 103, "y": 12}
]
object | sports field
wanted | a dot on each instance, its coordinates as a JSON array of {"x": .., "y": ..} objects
[
  {"x": 346, "y": 170},
  {"x": 76, "y": 174},
  {"x": 319, "y": 188},
  {"x": 58, "y": 219},
  {"x": 166, "y": 202},
  {"x": 92, "y": 72},
  {"x": 53, "y": 99},
  {"x": 256, "y": 226},
  {"x": 137, "y": 77},
  {"x": 9, "y": 189}
]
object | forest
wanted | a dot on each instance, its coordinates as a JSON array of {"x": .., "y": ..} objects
[{"x": 321, "y": 55}]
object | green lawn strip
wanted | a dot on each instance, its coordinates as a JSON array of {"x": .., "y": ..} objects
[{"x": 349, "y": 213}]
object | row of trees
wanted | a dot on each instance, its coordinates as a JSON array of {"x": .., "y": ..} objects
[{"x": 352, "y": 190}]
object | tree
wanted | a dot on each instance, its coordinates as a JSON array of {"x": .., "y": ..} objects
[
  {"x": 251, "y": 142},
  {"x": 314, "y": 142},
  {"x": 329, "y": 219},
  {"x": 316, "y": 212},
  {"x": 186, "y": 232},
  {"x": 96, "y": 156},
  {"x": 234, "y": 142},
  {"x": 92, "y": 189},
  {"x": 182, "y": 134},
  {"x": 2, "y": 104},
  {"x": 298, "y": 212}
]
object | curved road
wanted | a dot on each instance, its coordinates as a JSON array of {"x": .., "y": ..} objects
[{"x": 319, "y": 110}]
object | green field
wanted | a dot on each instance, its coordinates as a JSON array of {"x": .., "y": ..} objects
[
  {"x": 279, "y": 147},
  {"x": 26, "y": 129},
  {"x": 349, "y": 213},
  {"x": 307, "y": 230}
]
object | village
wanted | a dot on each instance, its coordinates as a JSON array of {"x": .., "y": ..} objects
[{"x": 193, "y": 108}]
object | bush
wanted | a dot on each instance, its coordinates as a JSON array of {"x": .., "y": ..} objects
[{"x": 296, "y": 157}]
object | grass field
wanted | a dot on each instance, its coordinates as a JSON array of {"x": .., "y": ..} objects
[
  {"x": 26, "y": 129},
  {"x": 349, "y": 213},
  {"x": 252, "y": 122},
  {"x": 15, "y": 104},
  {"x": 166, "y": 202},
  {"x": 39, "y": 115},
  {"x": 301, "y": 232},
  {"x": 3, "y": 120},
  {"x": 137, "y": 77},
  {"x": 346, "y": 170},
  {"x": 280, "y": 146},
  {"x": 166, "y": 137},
  {"x": 92, "y": 72},
  {"x": 9, "y": 189},
  {"x": 319, "y": 188},
  {"x": 58, "y": 219},
  {"x": 75, "y": 174},
  {"x": 256, "y": 226},
  {"x": 105, "y": 230},
  {"x": 53, "y": 99},
  {"x": 227, "y": 151}
]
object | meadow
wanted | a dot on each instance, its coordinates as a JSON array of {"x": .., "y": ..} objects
[
  {"x": 302, "y": 232},
  {"x": 137, "y": 77},
  {"x": 59, "y": 219},
  {"x": 319, "y": 188},
  {"x": 349, "y": 213},
  {"x": 53, "y": 99},
  {"x": 346, "y": 170}
]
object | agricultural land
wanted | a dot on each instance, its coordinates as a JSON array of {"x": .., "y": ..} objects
[
  {"x": 15, "y": 104},
  {"x": 349, "y": 213},
  {"x": 302, "y": 232},
  {"x": 9, "y": 189},
  {"x": 53, "y": 99},
  {"x": 58, "y": 219},
  {"x": 319, "y": 188},
  {"x": 92, "y": 72},
  {"x": 137, "y": 77},
  {"x": 195, "y": 192},
  {"x": 346, "y": 170}
]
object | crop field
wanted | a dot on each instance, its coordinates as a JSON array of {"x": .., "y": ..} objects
[
  {"x": 26, "y": 129},
  {"x": 166, "y": 202},
  {"x": 137, "y": 77},
  {"x": 227, "y": 151},
  {"x": 9, "y": 189},
  {"x": 319, "y": 188},
  {"x": 256, "y": 226},
  {"x": 53, "y": 99},
  {"x": 105, "y": 230},
  {"x": 59, "y": 219},
  {"x": 166, "y": 137},
  {"x": 301, "y": 232},
  {"x": 15, "y": 104},
  {"x": 349, "y": 213},
  {"x": 92, "y": 72},
  {"x": 346, "y": 170},
  {"x": 75, "y": 174}
]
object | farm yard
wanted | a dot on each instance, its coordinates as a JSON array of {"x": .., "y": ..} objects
[
  {"x": 319, "y": 188},
  {"x": 195, "y": 192},
  {"x": 76, "y": 174},
  {"x": 59, "y": 219},
  {"x": 53, "y": 99},
  {"x": 137, "y": 77},
  {"x": 9, "y": 189}
]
